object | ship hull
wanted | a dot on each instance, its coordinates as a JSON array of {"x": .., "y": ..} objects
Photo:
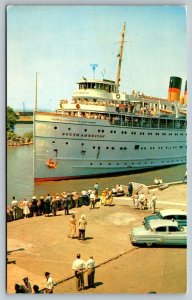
[{"x": 82, "y": 147}]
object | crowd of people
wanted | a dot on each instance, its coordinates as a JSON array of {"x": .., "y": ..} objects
[
  {"x": 79, "y": 267},
  {"x": 140, "y": 201},
  {"x": 49, "y": 205}
]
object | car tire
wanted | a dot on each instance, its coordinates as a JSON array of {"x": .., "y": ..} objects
[{"x": 149, "y": 244}]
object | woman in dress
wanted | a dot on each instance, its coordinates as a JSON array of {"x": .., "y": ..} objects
[
  {"x": 72, "y": 226},
  {"x": 26, "y": 210}
]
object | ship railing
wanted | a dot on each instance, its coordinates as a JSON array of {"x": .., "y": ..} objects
[{"x": 151, "y": 122}]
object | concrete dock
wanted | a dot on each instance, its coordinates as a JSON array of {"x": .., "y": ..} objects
[{"x": 40, "y": 244}]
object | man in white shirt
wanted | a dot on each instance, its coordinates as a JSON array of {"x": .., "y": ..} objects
[
  {"x": 49, "y": 283},
  {"x": 141, "y": 200},
  {"x": 92, "y": 200},
  {"x": 153, "y": 203},
  {"x": 78, "y": 266},
  {"x": 90, "y": 272},
  {"x": 14, "y": 206}
]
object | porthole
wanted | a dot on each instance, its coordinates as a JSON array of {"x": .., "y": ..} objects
[
  {"x": 85, "y": 129},
  {"x": 55, "y": 127},
  {"x": 53, "y": 142},
  {"x": 98, "y": 130},
  {"x": 93, "y": 147},
  {"x": 66, "y": 143},
  {"x": 102, "y": 130},
  {"x": 69, "y": 128}
]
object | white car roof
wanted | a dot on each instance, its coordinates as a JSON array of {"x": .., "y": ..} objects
[
  {"x": 167, "y": 212},
  {"x": 156, "y": 223}
]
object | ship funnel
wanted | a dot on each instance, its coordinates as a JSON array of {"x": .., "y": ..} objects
[
  {"x": 174, "y": 88},
  {"x": 185, "y": 93}
]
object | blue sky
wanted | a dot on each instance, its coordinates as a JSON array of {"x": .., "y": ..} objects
[{"x": 60, "y": 43}]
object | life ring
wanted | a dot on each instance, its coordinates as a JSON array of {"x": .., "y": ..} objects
[
  {"x": 118, "y": 96},
  {"x": 78, "y": 106},
  {"x": 51, "y": 164}
]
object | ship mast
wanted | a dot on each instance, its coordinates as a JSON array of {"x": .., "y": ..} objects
[{"x": 120, "y": 59}]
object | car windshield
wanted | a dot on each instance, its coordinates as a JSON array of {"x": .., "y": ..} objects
[
  {"x": 147, "y": 226},
  {"x": 159, "y": 216}
]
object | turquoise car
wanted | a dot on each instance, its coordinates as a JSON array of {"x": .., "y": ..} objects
[
  {"x": 169, "y": 214},
  {"x": 159, "y": 232}
]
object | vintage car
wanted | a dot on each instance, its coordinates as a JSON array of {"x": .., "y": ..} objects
[
  {"x": 169, "y": 214},
  {"x": 159, "y": 232}
]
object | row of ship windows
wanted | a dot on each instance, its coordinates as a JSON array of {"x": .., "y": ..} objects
[
  {"x": 140, "y": 163},
  {"x": 137, "y": 147},
  {"x": 125, "y": 132}
]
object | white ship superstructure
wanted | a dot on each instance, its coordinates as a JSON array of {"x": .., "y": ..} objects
[{"x": 103, "y": 131}]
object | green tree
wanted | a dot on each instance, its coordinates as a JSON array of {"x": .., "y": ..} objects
[
  {"x": 11, "y": 119},
  {"x": 28, "y": 136}
]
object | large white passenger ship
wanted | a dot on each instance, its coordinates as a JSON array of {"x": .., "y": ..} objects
[{"x": 103, "y": 131}]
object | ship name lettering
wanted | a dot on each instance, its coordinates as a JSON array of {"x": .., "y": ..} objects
[{"x": 84, "y": 135}]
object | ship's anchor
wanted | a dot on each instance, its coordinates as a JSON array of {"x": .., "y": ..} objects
[{"x": 50, "y": 163}]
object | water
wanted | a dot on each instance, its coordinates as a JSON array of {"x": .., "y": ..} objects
[
  {"x": 20, "y": 129},
  {"x": 20, "y": 175}
]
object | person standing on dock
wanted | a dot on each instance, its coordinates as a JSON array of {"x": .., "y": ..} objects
[
  {"x": 49, "y": 283},
  {"x": 153, "y": 203},
  {"x": 90, "y": 272},
  {"x": 82, "y": 226},
  {"x": 96, "y": 189},
  {"x": 66, "y": 202},
  {"x": 47, "y": 205},
  {"x": 72, "y": 226},
  {"x": 54, "y": 205},
  {"x": 130, "y": 189},
  {"x": 27, "y": 285},
  {"x": 141, "y": 200},
  {"x": 92, "y": 199},
  {"x": 26, "y": 210},
  {"x": 34, "y": 206},
  {"x": 14, "y": 206},
  {"x": 79, "y": 266}
]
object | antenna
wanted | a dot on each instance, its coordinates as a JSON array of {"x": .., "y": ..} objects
[{"x": 94, "y": 66}]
